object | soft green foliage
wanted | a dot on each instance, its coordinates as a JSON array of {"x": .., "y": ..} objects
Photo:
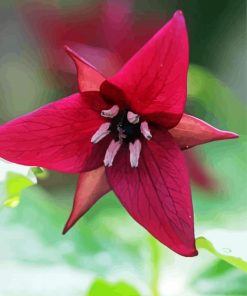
[
  {"x": 99, "y": 245},
  {"x": 15, "y": 183},
  {"x": 221, "y": 278},
  {"x": 227, "y": 245},
  {"x": 13, "y": 179},
  {"x": 155, "y": 261},
  {"x": 211, "y": 100},
  {"x": 103, "y": 288},
  {"x": 39, "y": 172}
]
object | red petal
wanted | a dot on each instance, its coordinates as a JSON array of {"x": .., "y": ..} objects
[
  {"x": 97, "y": 154},
  {"x": 157, "y": 193},
  {"x": 56, "y": 136},
  {"x": 89, "y": 78},
  {"x": 90, "y": 187},
  {"x": 154, "y": 80},
  {"x": 192, "y": 131}
]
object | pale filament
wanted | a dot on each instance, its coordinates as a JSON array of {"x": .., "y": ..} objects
[
  {"x": 135, "y": 150},
  {"x": 110, "y": 113},
  {"x": 111, "y": 152},
  {"x": 102, "y": 132},
  {"x": 145, "y": 130}
]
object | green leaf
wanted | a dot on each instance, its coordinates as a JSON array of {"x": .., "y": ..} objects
[
  {"x": 92, "y": 244},
  {"x": 9, "y": 167},
  {"x": 13, "y": 179},
  {"x": 15, "y": 183},
  {"x": 101, "y": 287},
  {"x": 39, "y": 172},
  {"x": 226, "y": 245},
  {"x": 214, "y": 102},
  {"x": 155, "y": 264},
  {"x": 12, "y": 202},
  {"x": 221, "y": 278}
]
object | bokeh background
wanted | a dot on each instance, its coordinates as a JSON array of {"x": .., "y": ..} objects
[{"x": 107, "y": 253}]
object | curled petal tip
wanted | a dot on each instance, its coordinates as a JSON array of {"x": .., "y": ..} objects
[
  {"x": 178, "y": 13},
  {"x": 71, "y": 52},
  {"x": 230, "y": 135},
  {"x": 75, "y": 56},
  {"x": 68, "y": 49},
  {"x": 89, "y": 79},
  {"x": 73, "y": 218},
  {"x": 191, "y": 253},
  {"x": 66, "y": 228}
]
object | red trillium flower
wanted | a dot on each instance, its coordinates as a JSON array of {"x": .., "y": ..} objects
[
  {"x": 124, "y": 134},
  {"x": 113, "y": 34}
]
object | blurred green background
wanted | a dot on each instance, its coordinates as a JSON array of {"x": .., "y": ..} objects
[{"x": 107, "y": 253}]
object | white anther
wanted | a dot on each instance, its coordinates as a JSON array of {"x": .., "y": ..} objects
[
  {"x": 135, "y": 150},
  {"x": 111, "y": 152},
  {"x": 145, "y": 130},
  {"x": 102, "y": 132},
  {"x": 132, "y": 117},
  {"x": 111, "y": 112}
]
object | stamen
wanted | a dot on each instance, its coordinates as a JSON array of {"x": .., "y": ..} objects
[
  {"x": 135, "y": 150},
  {"x": 111, "y": 112},
  {"x": 145, "y": 130},
  {"x": 111, "y": 152},
  {"x": 102, "y": 132},
  {"x": 132, "y": 117}
]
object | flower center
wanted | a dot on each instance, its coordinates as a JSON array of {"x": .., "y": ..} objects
[
  {"x": 126, "y": 128},
  {"x": 123, "y": 130}
]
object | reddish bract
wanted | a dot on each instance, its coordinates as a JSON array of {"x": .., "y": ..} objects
[
  {"x": 192, "y": 131},
  {"x": 91, "y": 186},
  {"x": 153, "y": 184}
]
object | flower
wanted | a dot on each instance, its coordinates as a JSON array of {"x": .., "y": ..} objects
[
  {"x": 113, "y": 34},
  {"x": 111, "y": 37},
  {"x": 124, "y": 134}
]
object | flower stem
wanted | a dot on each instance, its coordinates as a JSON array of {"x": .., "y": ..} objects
[{"x": 155, "y": 263}]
